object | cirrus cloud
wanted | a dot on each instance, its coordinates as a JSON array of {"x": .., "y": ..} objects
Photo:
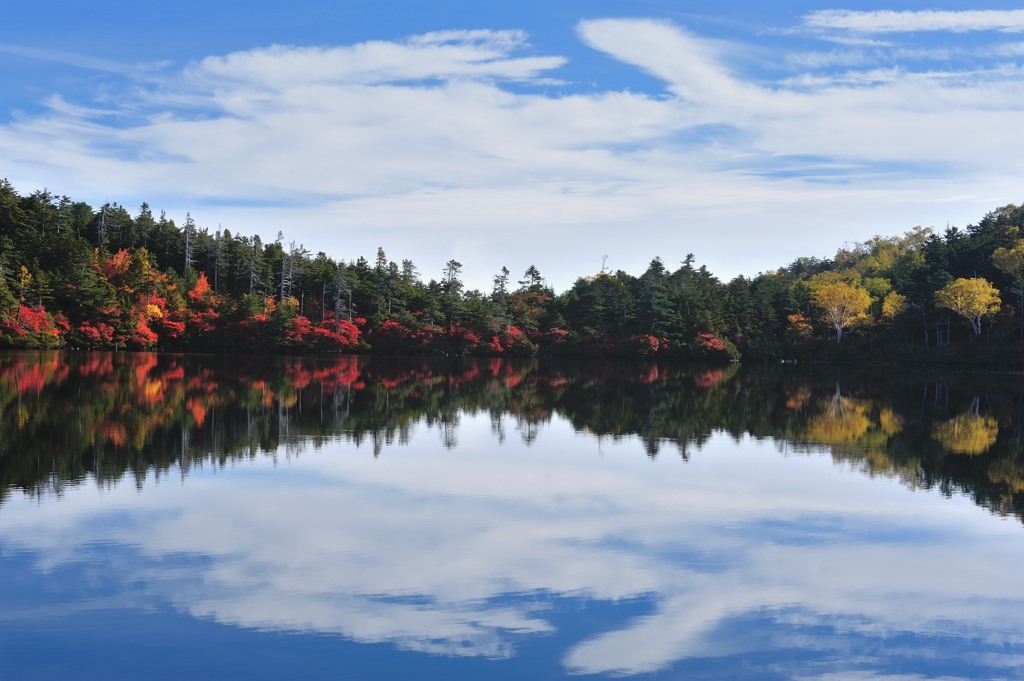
[
  {"x": 470, "y": 144},
  {"x": 890, "y": 21}
]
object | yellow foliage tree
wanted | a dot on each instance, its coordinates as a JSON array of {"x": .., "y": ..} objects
[
  {"x": 842, "y": 304},
  {"x": 1010, "y": 260},
  {"x": 893, "y": 305},
  {"x": 24, "y": 281},
  {"x": 972, "y": 299}
]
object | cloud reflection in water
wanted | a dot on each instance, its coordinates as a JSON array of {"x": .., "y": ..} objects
[{"x": 470, "y": 552}]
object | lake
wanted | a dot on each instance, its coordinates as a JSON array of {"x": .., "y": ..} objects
[{"x": 254, "y": 517}]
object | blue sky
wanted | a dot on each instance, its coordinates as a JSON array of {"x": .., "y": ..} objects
[{"x": 558, "y": 134}]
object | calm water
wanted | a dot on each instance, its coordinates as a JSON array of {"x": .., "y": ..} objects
[{"x": 173, "y": 517}]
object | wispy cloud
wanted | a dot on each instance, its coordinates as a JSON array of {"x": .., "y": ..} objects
[
  {"x": 449, "y": 145},
  {"x": 832, "y": 58},
  {"x": 445, "y": 55},
  {"x": 1011, "y": 49},
  {"x": 889, "y": 21},
  {"x": 855, "y": 40},
  {"x": 691, "y": 66},
  {"x": 77, "y": 60}
]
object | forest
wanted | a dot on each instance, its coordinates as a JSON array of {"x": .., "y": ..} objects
[{"x": 76, "y": 276}]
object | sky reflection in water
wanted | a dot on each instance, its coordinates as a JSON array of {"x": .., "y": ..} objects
[{"x": 571, "y": 556}]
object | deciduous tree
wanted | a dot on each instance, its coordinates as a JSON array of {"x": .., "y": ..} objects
[
  {"x": 842, "y": 304},
  {"x": 973, "y": 299}
]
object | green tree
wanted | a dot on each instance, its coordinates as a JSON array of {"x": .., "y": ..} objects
[
  {"x": 531, "y": 300},
  {"x": 451, "y": 287},
  {"x": 1011, "y": 261},
  {"x": 500, "y": 297}
]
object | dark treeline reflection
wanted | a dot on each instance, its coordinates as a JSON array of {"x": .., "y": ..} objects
[{"x": 67, "y": 417}]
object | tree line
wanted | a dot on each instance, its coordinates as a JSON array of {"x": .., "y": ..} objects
[{"x": 72, "y": 275}]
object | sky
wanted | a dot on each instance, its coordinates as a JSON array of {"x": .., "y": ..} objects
[{"x": 572, "y": 135}]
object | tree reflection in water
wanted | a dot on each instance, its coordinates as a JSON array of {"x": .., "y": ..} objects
[{"x": 69, "y": 417}]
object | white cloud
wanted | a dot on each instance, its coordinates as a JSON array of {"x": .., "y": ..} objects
[
  {"x": 443, "y": 55},
  {"x": 890, "y": 21},
  {"x": 690, "y": 65},
  {"x": 448, "y": 145},
  {"x": 808, "y": 81},
  {"x": 856, "y": 40},
  {"x": 891, "y": 115},
  {"x": 832, "y": 58},
  {"x": 1014, "y": 49}
]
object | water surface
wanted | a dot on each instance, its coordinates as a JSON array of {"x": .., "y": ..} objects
[{"x": 168, "y": 517}]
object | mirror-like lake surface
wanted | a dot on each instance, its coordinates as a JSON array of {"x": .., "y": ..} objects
[{"x": 184, "y": 517}]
